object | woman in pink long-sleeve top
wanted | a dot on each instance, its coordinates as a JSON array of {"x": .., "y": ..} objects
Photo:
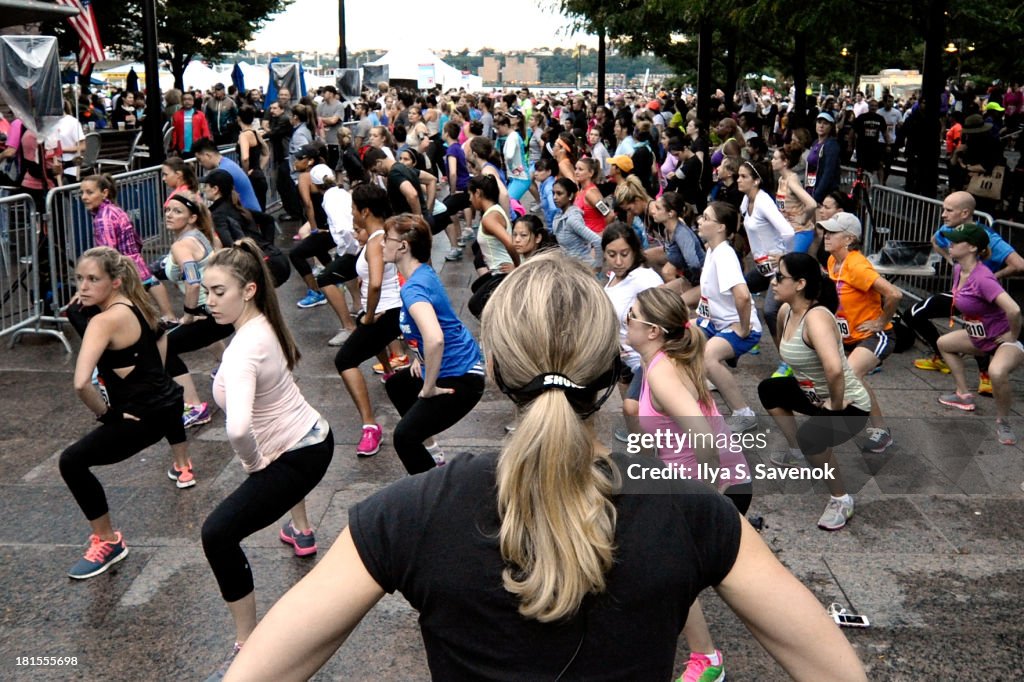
[{"x": 112, "y": 227}]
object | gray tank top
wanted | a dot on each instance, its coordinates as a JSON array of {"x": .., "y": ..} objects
[
  {"x": 173, "y": 270},
  {"x": 811, "y": 374}
]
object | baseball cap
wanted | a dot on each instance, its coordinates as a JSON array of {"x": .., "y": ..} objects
[
  {"x": 319, "y": 173},
  {"x": 827, "y": 116},
  {"x": 622, "y": 162},
  {"x": 307, "y": 151},
  {"x": 843, "y": 222},
  {"x": 994, "y": 106},
  {"x": 654, "y": 105},
  {"x": 972, "y": 233}
]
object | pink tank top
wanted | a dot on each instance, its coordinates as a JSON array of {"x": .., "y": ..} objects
[
  {"x": 592, "y": 218},
  {"x": 731, "y": 457}
]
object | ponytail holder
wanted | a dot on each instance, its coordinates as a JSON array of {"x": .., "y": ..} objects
[
  {"x": 584, "y": 400},
  {"x": 677, "y": 333}
]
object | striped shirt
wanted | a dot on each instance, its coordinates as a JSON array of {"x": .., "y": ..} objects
[
  {"x": 112, "y": 227},
  {"x": 811, "y": 374}
]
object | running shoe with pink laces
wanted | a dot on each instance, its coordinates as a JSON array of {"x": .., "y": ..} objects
[
  {"x": 699, "y": 669},
  {"x": 183, "y": 477},
  {"x": 369, "y": 444},
  {"x": 100, "y": 556}
]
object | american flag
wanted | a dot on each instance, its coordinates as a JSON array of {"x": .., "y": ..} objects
[{"x": 91, "y": 48}]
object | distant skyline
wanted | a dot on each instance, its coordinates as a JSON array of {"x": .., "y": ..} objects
[{"x": 312, "y": 26}]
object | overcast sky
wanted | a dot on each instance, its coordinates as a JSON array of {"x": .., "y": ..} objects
[{"x": 312, "y": 25}]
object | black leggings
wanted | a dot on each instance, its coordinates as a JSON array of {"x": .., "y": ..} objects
[
  {"x": 318, "y": 245},
  {"x": 825, "y": 428},
  {"x": 186, "y": 338},
  {"x": 368, "y": 340},
  {"x": 110, "y": 444},
  {"x": 422, "y": 419},
  {"x": 260, "y": 500}
]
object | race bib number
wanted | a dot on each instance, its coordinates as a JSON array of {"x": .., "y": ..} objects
[
  {"x": 102, "y": 387},
  {"x": 813, "y": 398},
  {"x": 704, "y": 308},
  {"x": 764, "y": 266},
  {"x": 975, "y": 329},
  {"x": 844, "y": 327},
  {"x": 780, "y": 201},
  {"x": 811, "y": 179}
]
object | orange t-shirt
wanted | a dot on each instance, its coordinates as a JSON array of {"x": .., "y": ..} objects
[{"x": 858, "y": 302}]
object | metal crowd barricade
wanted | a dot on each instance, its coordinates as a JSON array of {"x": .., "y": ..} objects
[
  {"x": 23, "y": 271},
  {"x": 140, "y": 193},
  {"x": 1013, "y": 233},
  {"x": 901, "y": 216}
]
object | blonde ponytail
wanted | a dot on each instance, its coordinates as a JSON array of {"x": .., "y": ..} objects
[{"x": 554, "y": 491}]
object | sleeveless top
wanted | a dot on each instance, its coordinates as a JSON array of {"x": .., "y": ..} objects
[
  {"x": 592, "y": 218},
  {"x": 147, "y": 388},
  {"x": 682, "y": 455},
  {"x": 493, "y": 250},
  {"x": 173, "y": 270},
  {"x": 810, "y": 373},
  {"x": 255, "y": 154},
  {"x": 390, "y": 297}
]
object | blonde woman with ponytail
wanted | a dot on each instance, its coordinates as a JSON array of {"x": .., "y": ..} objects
[
  {"x": 134, "y": 401},
  {"x": 536, "y": 563},
  {"x": 674, "y": 399}
]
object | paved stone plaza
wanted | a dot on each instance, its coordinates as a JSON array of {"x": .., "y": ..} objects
[{"x": 934, "y": 556}]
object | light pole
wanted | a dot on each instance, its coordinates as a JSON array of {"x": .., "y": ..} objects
[{"x": 954, "y": 49}]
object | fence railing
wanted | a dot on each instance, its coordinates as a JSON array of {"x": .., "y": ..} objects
[
  {"x": 901, "y": 216},
  {"x": 22, "y": 270}
]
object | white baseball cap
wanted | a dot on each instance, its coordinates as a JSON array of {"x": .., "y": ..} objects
[{"x": 319, "y": 173}]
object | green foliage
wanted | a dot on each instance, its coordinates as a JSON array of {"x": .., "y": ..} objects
[
  {"x": 560, "y": 65},
  {"x": 184, "y": 28}
]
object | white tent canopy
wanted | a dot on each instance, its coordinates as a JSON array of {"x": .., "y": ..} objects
[{"x": 427, "y": 69}]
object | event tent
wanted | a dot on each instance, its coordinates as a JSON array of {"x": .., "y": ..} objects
[{"x": 427, "y": 69}]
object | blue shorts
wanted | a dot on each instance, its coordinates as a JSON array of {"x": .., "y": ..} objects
[
  {"x": 517, "y": 188},
  {"x": 150, "y": 281},
  {"x": 739, "y": 345},
  {"x": 802, "y": 241}
]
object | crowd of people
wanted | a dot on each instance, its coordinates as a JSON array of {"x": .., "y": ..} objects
[{"x": 675, "y": 242}]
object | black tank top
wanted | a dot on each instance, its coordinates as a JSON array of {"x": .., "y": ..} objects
[
  {"x": 147, "y": 388},
  {"x": 255, "y": 154}
]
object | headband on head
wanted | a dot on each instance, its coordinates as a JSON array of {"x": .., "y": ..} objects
[
  {"x": 583, "y": 399},
  {"x": 192, "y": 206},
  {"x": 750, "y": 165}
]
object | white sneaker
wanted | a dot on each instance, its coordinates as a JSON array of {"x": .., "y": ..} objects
[
  {"x": 788, "y": 460},
  {"x": 339, "y": 338},
  {"x": 836, "y": 514},
  {"x": 739, "y": 423}
]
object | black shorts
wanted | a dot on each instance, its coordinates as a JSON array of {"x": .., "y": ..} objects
[
  {"x": 340, "y": 270},
  {"x": 881, "y": 344}
]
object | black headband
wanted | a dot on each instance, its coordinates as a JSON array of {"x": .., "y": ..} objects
[
  {"x": 583, "y": 399},
  {"x": 189, "y": 204}
]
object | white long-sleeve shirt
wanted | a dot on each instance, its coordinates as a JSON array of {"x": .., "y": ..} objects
[
  {"x": 767, "y": 228},
  {"x": 266, "y": 413}
]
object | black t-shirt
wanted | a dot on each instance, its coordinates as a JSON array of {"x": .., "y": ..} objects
[
  {"x": 434, "y": 538},
  {"x": 643, "y": 163},
  {"x": 870, "y": 131},
  {"x": 397, "y": 176}
]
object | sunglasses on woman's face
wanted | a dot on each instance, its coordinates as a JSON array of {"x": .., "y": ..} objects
[{"x": 779, "y": 277}]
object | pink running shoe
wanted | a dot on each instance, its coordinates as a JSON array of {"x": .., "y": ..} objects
[
  {"x": 304, "y": 542},
  {"x": 369, "y": 444},
  {"x": 699, "y": 669}
]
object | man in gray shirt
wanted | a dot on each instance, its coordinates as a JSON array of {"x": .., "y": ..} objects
[
  {"x": 362, "y": 134},
  {"x": 330, "y": 112}
]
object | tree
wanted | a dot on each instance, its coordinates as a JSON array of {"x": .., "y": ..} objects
[{"x": 186, "y": 28}]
